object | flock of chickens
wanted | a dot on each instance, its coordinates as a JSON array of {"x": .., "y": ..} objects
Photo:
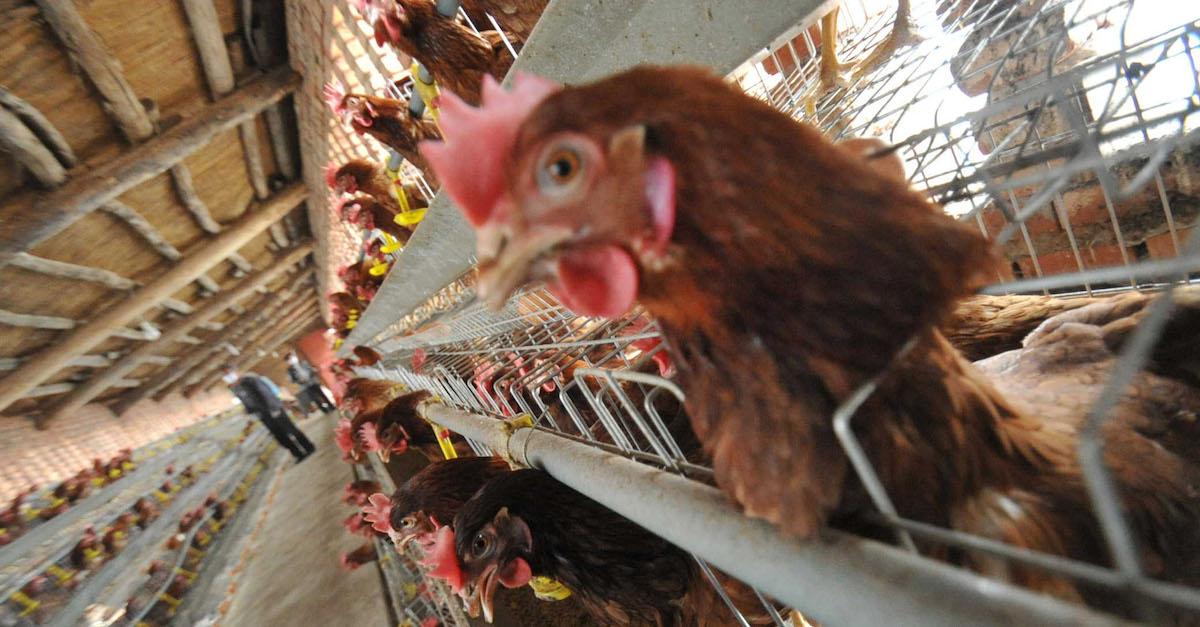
[
  {"x": 21, "y": 515},
  {"x": 791, "y": 277}
]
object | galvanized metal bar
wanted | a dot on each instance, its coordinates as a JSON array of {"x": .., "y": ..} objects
[{"x": 835, "y": 579}]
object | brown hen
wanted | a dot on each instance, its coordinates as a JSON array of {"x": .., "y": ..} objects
[{"x": 787, "y": 273}]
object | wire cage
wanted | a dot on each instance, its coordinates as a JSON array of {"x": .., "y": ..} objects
[{"x": 1064, "y": 129}]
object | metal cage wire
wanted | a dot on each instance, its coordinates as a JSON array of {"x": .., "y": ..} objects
[{"x": 1064, "y": 129}]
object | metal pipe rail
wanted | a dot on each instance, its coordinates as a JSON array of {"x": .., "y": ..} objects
[{"x": 837, "y": 579}]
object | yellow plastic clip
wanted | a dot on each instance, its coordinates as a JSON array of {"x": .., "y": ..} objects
[
  {"x": 97, "y": 481},
  {"x": 191, "y": 576},
  {"x": 409, "y": 218},
  {"x": 29, "y": 604},
  {"x": 390, "y": 245},
  {"x": 410, "y": 591},
  {"x": 115, "y": 473},
  {"x": 337, "y": 343},
  {"x": 61, "y": 574},
  {"x": 169, "y": 600},
  {"x": 427, "y": 91},
  {"x": 379, "y": 269},
  {"x": 194, "y": 552},
  {"x": 443, "y": 437},
  {"x": 91, "y": 554},
  {"x": 548, "y": 589}
]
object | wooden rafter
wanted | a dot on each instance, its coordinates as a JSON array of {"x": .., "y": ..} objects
[
  {"x": 43, "y": 365},
  {"x": 214, "y": 58},
  {"x": 83, "y": 361},
  {"x": 181, "y": 179},
  {"x": 76, "y": 272},
  {"x": 43, "y": 215},
  {"x": 257, "y": 340},
  {"x": 59, "y": 388},
  {"x": 102, "y": 68},
  {"x": 185, "y": 366},
  {"x": 18, "y": 140},
  {"x": 180, "y": 329},
  {"x": 33, "y": 321},
  {"x": 49, "y": 135},
  {"x": 167, "y": 381},
  {"x": 281, "y": 145},
  {"x": 143, "y": 228}
]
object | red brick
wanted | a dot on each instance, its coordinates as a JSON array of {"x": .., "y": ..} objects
[
  {"x": 1063, "y": 261},
  {"x": 1161, "y": 246}
]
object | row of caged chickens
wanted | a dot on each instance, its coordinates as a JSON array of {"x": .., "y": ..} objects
[
  {"x": 597, "y": 559},
  {"x": 22, "y": 513},
  {"x": 457, "y": 57},
  {"x": 795, "y": 272}
]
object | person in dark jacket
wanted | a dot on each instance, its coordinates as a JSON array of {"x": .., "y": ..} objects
[
  {"x": 260, "y": 397},
  {"x": 310, "y": 392}
]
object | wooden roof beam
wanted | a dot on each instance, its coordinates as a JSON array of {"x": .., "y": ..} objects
[
  {"x": 83, "y": 361},
  {"x": 102, "y": 68},
  {"x": 283, "y": 315},
  {"x": 185, "y": 366},
  {"x": 176, "y": 332},
  {"x": 76, "y": 272},
  {"x": 29, "y": 151},
  {"x": 49, "y": 213},
  {"x": 195, "y": 365},
  {"x": 303, "y": 324},
  {"x": 264, "y": 336},
  {"x": 43, "y": 365},
  {"x": 49, "y": 135},
  {"x": 214, "y": 58}
]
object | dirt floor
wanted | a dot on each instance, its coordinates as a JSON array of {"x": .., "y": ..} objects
[{"x": 292, "y": 576}]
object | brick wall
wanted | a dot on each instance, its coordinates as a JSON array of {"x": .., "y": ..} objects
[{"x": 32, "y": 457}]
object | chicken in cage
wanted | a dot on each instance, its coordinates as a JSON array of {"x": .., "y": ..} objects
[{"x": 920, "y": 272}]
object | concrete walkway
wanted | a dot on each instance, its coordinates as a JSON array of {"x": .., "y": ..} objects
[{"x": 291, "y": 576}]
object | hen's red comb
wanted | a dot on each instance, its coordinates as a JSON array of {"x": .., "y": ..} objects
[
  {"x": 335, "y": 93},
  {"x": 378, "y": 512},
  {"x": 476, "y": 142},
  {"x": 444, "y": 560},
  {"x": 369, "y": 434}
]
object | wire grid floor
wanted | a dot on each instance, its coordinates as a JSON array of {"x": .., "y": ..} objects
[{"x": 1065, "y": 129}]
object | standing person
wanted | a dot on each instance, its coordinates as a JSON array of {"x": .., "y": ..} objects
[
  {"x": 260, "y": 397},
  {"x": 310, "y": 389}
]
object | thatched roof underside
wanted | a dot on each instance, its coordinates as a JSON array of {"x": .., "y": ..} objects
[{"x": 155, "y": 48}]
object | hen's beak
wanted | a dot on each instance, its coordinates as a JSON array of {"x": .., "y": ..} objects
[
  {"x": 506, "y": 263},
  {"x": 479, "y": 595}
]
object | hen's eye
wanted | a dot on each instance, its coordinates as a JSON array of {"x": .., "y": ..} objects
[
  {"x": 407, "y": 522},
  {"x": 560, "y": 168},
  {"x": 481, "y": 544}
]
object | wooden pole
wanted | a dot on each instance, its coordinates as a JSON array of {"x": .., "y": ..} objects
[
  {"x": 300, "y": 326},
  {"x": 28, "y": 150},
  {"x": 163, "y": 380},
  {"x": 44, "y": 364},
  {"x": 253, "y": 341},
  {"x": 49, "y": 134},
  {"x": 262, "y": 311},
  {"x": 52, "y": 267},
  {"x": 101, "y": 67},
  {"x": 214, "y": 58},
  {"x": 96, "y": 386},
  {"x": 43, "y": 215}
]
